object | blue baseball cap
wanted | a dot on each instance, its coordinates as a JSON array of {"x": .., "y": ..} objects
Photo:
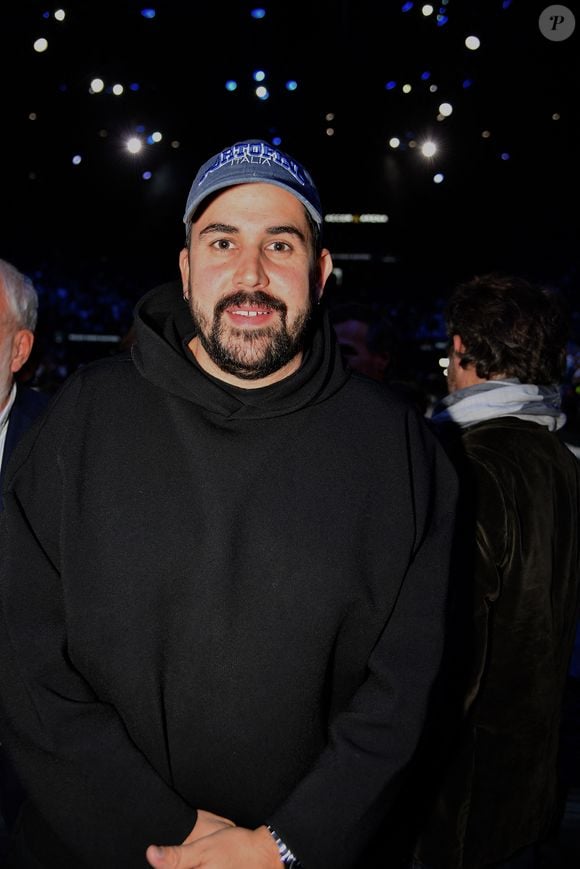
[{"x": 253, "y": 161}]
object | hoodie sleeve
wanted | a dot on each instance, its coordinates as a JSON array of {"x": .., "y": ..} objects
[
  {"x": 89, "y": 784},
  {"x": 337, "y": 808}
]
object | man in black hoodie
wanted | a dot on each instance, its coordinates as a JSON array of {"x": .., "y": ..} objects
[{"x": 224, "y": 567}]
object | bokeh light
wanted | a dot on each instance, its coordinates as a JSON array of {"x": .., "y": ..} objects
[{"x": 134, "y": 145}]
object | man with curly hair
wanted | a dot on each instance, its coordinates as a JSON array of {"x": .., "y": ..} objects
[{"x": 496, "y": 792}]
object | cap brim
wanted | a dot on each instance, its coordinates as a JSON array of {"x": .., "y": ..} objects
[{"x": 214, "y": 188}]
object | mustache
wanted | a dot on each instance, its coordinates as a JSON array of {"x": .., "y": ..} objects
[{"x": 245, "y": 298}]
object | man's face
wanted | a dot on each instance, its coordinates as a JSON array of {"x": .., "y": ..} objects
[
  {"x": 453, "y": 369},
  {"x": 352, "y": 336},
  {"x": 251, "y": 283},
  {"x": 8, "y": 329},
  {"x": 459, "y": 377}
]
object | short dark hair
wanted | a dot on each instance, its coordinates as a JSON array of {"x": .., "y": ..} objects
[{"x": 510, "y": 327}]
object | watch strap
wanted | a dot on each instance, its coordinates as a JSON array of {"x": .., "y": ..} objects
[{"x": 287, "y": 858}]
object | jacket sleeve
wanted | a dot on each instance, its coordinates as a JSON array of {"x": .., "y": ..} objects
[
  {"x": 340, "y": 804},
  {"x": 88, "y": 783},
  {"x": 492, "y": 533}
]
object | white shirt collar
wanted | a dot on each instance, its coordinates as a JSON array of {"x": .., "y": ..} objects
[
  {"x": 4, "y": 417},
  {"x": 5, "y": 412}
]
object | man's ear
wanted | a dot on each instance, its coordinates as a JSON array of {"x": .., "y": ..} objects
[
  {"x": 383, "y": 360},
  {"x": 184, "y": 269},
  {"x": 21, "y": 349},
  {"x": 458, "y": 344},
  {"x": 324, "y": 272}
]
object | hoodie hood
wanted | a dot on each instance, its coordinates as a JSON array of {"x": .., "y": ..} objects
[{"x": 163, "y": 327}]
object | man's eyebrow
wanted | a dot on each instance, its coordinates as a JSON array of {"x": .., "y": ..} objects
[
  {"x": 218, "y": 227},
  {"x": 286, "y": 229}
]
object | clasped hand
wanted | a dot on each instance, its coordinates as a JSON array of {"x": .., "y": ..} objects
[{"x": 217, "y": 843}]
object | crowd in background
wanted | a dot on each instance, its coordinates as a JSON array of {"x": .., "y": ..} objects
[{"x": 81, "y": 319}]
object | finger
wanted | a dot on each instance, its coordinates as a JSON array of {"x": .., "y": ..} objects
[
  {"x": 168, "y": 857},
  {"x": 225, "y": 821}
]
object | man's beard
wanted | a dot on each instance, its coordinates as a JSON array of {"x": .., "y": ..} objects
[{"x": 254, "y": 353}]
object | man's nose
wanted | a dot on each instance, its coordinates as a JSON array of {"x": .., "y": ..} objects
[{"x": 250, "y": 270}]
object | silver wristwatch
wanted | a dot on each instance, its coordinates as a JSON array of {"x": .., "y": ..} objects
[{"x": 286, "y": 855}]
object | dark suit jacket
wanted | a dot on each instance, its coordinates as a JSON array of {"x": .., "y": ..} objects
[
  {"x": 28, "y": 404},
  {"x": 499, "y": 791}
]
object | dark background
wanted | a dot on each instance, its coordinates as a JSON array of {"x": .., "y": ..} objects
[
  {"x": 101, "y": 223},
  {"x": 95, "y": 236}
]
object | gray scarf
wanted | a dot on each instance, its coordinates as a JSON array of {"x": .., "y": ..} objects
[{"x": 497, "y": 398}]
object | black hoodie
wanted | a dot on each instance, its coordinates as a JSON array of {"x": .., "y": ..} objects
[{"x": 218, "y": 598}]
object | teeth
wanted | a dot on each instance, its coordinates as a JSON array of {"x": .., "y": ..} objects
[{"x": 249, "y": 313}]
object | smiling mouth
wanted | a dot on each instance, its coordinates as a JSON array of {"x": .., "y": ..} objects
[
  {"x": 245, "y": 312},
  {"x": 252, "y": 315}
]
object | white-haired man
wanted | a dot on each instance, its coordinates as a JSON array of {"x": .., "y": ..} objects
[{"x": 19, "y": 407}]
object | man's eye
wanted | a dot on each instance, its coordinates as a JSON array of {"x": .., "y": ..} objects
[
  {"x": 280, "y": 246},
  {"x": 222, "y": 243}
]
